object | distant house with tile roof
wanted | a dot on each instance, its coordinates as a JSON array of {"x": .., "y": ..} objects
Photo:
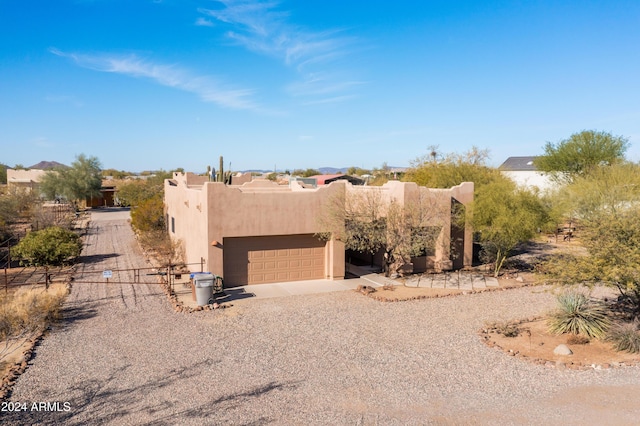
[{"x": 524, "y": 173}]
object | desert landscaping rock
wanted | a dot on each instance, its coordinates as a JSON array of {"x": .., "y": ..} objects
[
  {"x": 562, "y": 350},
  {"x": 124, "y": 356}
]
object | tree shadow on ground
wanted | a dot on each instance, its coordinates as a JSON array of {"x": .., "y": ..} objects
[
  {"x": 101, "y": 400},
  {"x": 96, "y": 258},
  {"x": 80, "y": 312}
]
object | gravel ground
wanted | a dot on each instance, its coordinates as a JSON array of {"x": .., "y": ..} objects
[{"x": 123, "y": 357}]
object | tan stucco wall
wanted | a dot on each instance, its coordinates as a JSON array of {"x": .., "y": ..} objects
[
  {"x": 185, "y": 203},
  {"x": 261, "y": 208},
  {"x": 207, "y": 212},
  {"x": 28, "y": 179}
]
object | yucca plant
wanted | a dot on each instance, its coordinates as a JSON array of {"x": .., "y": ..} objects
[
  {"x": 625, "y": 336},
  {"x": 578, "y": 315}
]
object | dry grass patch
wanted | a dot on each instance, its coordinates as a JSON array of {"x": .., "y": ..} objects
[{"x": 24, "y": 315}]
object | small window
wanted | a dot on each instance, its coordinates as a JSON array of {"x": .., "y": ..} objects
[{"x": 173, "y": 225}]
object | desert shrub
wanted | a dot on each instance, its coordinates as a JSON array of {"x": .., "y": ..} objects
[
  {"x": 16, "y": 204},
  {"x": 50, "y": 246},
  {"x": 578, "y": 315},
  {"x": 625, "y": 336},
  {"x": 149, "y": 215},
  {"x": 160, "y": 245},
  {"x": 507, "y": 329},
  {"x": 132, "y": 193}
]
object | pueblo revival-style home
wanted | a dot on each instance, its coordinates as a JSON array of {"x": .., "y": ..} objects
[{"x": 261, "y": 232}]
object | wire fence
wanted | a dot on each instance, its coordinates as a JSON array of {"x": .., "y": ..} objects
[{"x": 14, "y": 278}]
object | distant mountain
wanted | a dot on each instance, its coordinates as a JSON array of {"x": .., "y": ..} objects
[
  {"x": 322, "y": 170},
  {"x": 332, "y": 170},
  {"x": 48, "y": 165}
]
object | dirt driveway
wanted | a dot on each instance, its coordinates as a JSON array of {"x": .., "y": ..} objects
[{"x": 123, "y": 357}]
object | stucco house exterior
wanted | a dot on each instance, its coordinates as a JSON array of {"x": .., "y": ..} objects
[
  {"x": 261, "y": 232},
  {"x": 524, "y": 173},
  {"x": 26, "y": 180}
]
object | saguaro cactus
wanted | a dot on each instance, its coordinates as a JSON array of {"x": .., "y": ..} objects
[{"x": 221, "y": 170}]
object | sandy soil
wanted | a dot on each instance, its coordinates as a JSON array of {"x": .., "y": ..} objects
[{"x": 535, "y": 343}]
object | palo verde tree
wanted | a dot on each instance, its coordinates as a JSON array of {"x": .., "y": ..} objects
[
  {"x": 503, "y": 215},
  {"x": 606, "y": 202},
  {"x": 437, "y": 170},
  {"x": 80, "y": 181},
  {"x": 581, "y": 153}
]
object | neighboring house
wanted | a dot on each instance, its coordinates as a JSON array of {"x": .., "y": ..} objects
[
  {"x": 29, "y": 178},
  {"x": 524, "y": 173},
  {"x": 107, "y": 197},
  {"x": 261, "y": 232}
]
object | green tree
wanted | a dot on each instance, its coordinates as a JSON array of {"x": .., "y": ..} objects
[
  {"x": 581, "y": 153},
  {"x": 80, "y": 181},
  {"x": 444, "y": 171},
  {"x": 115, "y": 174},
  {"x": 3, "y": 174},
  {"x": 357, "y": 171},
  {"x": 50, "y": 246},
  {"x": 504, "y": 216},
  {"x": 306, "y": 173},
  {"x": 272, "y": 176},
  {"x": 606, "y": 202},
  {"x": 606, "y": 190}
]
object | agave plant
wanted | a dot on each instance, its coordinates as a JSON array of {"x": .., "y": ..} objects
[
  {"x": 578, "y": 315},
  {"x": 625, "y": 336}
]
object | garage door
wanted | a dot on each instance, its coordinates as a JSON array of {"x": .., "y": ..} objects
[{"x": 261, "y": 260}]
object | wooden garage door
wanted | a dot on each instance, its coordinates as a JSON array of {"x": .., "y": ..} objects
[{"x": 261, "y": 260}]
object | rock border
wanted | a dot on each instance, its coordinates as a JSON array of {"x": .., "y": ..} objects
[
  {"x": 11, "y": 377},
  {"x": 372, "y": 294},
  {"x": 179, "y": 307},
  {"x": 560, "y": 365}
]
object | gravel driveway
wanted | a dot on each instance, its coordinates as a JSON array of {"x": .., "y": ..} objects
[{"x": 124, "y": 357}]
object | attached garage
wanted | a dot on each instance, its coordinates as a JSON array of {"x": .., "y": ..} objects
[{"x": 262, "y": 260}]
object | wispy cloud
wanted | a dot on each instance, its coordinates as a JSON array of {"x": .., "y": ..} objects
[
  {"x": 203, "y": 22},
  {"x": 262, "y": 27},
  {"x": 330, "y": 100},
  {"x": 322, "y": 84},
  {"x": 207, "y": 88}
]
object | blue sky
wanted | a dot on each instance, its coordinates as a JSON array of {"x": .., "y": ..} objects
[{"x": 144, "y": 84}]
